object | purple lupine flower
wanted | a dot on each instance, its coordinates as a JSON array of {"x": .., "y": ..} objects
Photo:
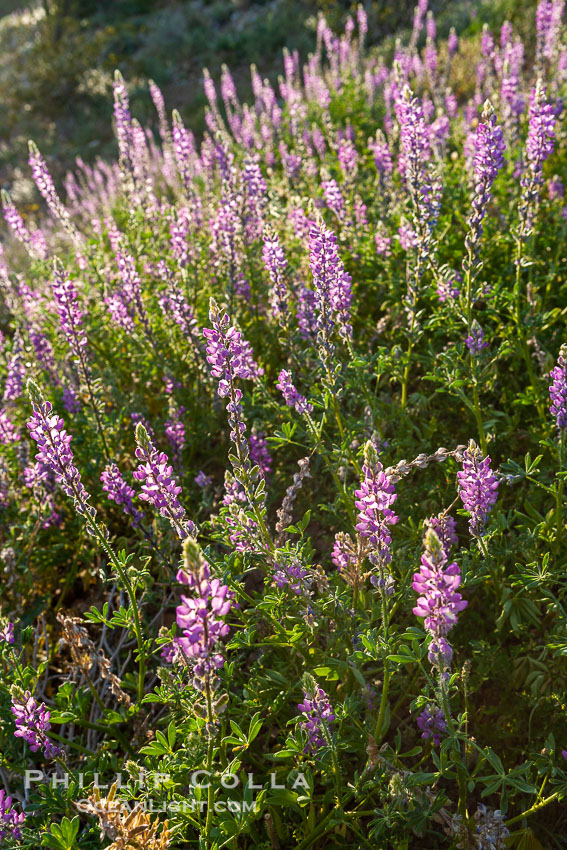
[
  {"x": 43, "y": 350},
  {"x": 243, "y": 530},
  {"x": 382, "y": 243},
  {"x": 539, "y": 147},
  {"x": 171, "y": 384},
  {"x": 373, "y": 501},
  {"x": 70, "y": 314},
  {"x": 226, "y": 231},
  {"x": 423, "y": 184},
  {"x": 276, "y": 264},
  {"x": 8, "y": 433},
  {"x": 199, "y": 616},
  {"x": 10, "y": 819},
  {"x": 362, "y": 21},
  {"x": 291, "y": 161},
  {"x": 184, "y": 150},
  {"x": 179, "y": 230},
  {"x": 131, "y": 289},
  {"x": 71, "y": 402},
  {"x": 256, "y": 199},
  {"x": 511, "y": 96},
  {"x": 449, "y": 288},
  {"x": 54, "y": 446},
  {"x": 7, "y": 634},
  {"x": 230, "y": 358},
  {"x": 488, "y": 160},
  {"x": 564, "y": 754},
  {"x": 430, "y": 26},
  {"x": 333, "y": 286},
  {"x": 175, "y": 431},
  {"x": 291, "y": 574},
  {"x": 445, "y": 527},
  {"x": 343, "y": 555},
  {"x": 431, "y": 60},
  {"x": 15, "y": 372},
  {"x": 439, "y": 601},
  {"x": 119, "y": 491},
  {"x": 555, "y": 188},
  {"x": 123, "y": 120},
  {"x": 487, "y": 42},
  {"x": 306, "y": 313},
  {"x": 134, "y": 156},
  {"x": 120, "y": 310},
  {"x": 228, "y": 89},
  {"x": 451, "y": 104},
  {"x": 229, "y": 355},
  {"x": 418, "y": 17},
  {"x": 320, "y": 717},
  {"x": 407, "y": 236},
  {"x": 452, "y": 42},
  {"x": 209, "y": 88},
  {"x": 334, "y": 197},
  {"x": 299, "y": 223},
  {"x": 506, "y": 33},
  {"x": 202, "y": 480},
  {"x": 553, "y": 31},
  {"x": 32, "y": 724},
  {"x": 478, "y": 488},
  {"x": 382, "y": 156},
  {"x": 159, "y": 487},
  {"x": 475, "y": 341},
  {"x": 433, "y": 725},
  {"x": 291, "y": 397},
  {"x": 348, "y": 158},
  {"x": 164, "y": 131},
  {"x": 175, "y": 306},
  {"x": 36, "y": 474},
  {"x": 259, "y": 454},
  {"x": 541, "y": 130},
  {"x": 44, "y": 182},
  {"x": 414, "y": 137},
  {"x": 318, "y": 140},
  {"x": 17, "y": 225},
  {"x": 558, "y": 389},
  {"x": 360, "y": 209},
  {"x": 544, "y": 14}
]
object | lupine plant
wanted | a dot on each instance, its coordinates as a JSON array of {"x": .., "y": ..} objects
[{"x": 282, "y": 461}]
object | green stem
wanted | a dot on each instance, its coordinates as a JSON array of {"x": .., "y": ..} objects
[
  {"x": 342, "y": 432},
  {"x": 98, "y": 727},
  {"x": 405, "y": 380},
  {"x": 461, "y": 770},
  {"x": 336, "y": 768},
  {"x": 349, "y": 505},
  {"x": 559, "y": 495},
  {"x": 407, "y": 374},
  {"x": 210, "y": 750},
  {"x": 72, "y": 744},
  {"x": 520, "y": 329},
  {"x": 477, "y": 413},
  {"x": 386, "y": 674},
  {"x": 320, "y": 830},
  {"x": 535, "y": 808},
  {"x": 133, "y": 603}
]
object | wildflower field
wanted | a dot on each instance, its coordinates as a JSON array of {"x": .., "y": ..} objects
[{"x": 283, "y": 535}]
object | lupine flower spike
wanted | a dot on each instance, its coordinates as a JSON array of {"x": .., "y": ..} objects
[
  {"x": 478, "y": 488},
  {"x": 159, "y": 487}
]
